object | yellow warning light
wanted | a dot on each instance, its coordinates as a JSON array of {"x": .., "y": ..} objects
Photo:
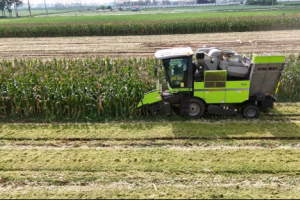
[{"x": 188, "y": 53}]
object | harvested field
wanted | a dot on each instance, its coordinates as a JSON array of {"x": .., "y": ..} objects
[
  {"x": 56, "y": 167},
  {"x": 123, "y": 46},
  {"x": 214, "y": 157}
]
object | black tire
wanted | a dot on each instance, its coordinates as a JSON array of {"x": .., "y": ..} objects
[
  {"x": 250, "y": 111},
  {"x": 197, "y": 109}
]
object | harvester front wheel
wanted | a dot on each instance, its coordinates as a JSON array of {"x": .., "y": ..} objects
[
  {"x": 196, "y": 108},
  {"x": 250, "y": 111}
]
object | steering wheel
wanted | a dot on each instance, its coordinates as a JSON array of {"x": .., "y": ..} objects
[{"x": 177, "y": 82}]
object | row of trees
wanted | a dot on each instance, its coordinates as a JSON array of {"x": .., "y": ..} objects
[
  {"x": 9, "y": 5},
  {"x": 261, "y": 2},
  {"x": 104, "y": 7}
]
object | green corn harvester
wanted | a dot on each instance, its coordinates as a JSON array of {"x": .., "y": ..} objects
[{"x": 220, "y": 82}]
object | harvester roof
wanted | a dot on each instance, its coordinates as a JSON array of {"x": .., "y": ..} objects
[{"x": 173, "y": 53}]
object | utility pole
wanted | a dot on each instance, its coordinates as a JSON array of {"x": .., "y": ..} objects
[
  {"x": 16, "y": 11},
  {"x": 29, "y": 8},
  {"x": 46, "y": 8},
  {"x": 272, "y": 5}
]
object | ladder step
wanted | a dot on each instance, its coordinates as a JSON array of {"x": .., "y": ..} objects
[{"x": 185, "y": 105}]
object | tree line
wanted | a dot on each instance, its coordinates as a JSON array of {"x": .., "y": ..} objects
[
  {"x": 9, "y": 5},
  {"x": 261, "y": 2}
]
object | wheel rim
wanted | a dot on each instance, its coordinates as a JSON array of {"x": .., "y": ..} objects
[
  {"x": 251, "y": 112},
  {"x": 194, "y": 109}
]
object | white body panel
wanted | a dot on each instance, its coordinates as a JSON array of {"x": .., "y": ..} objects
[{"x": 175, "y": 52}]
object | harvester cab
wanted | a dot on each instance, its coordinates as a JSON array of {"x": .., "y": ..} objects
[{"x": 220, "y": 82}]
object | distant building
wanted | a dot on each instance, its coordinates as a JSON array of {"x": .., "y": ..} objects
[
  {"x": 131, "y": 3},
  {"x": 141, "y": 2}
]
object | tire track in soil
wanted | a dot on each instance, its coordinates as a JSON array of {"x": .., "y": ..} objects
[{"x": 153, "y": 139}]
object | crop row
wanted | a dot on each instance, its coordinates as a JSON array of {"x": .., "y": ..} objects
[
  {"x": 92, "y": 88},
  {"x": 74, "y": 88},
  {"x": 232, "y": 24}
]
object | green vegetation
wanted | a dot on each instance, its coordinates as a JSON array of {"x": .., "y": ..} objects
[
  {"x": 289, "y": 3},
  {"x": 207, "y": 11},
  {"x": 190, "y": 169},
  {"x": 43, "y": 161},
  {"x": 261, "y": 2},
  {"x": 100, "y": 8},
  {"x": 37, "y": 11},
  {"x": 74, "y": 88},
  {"x": 92, "y": 89},
  {"x": 289, "y": 89},
  {"x": 232, "y": 24},
  {"x": 201, "y": 128},
  {"x": 134, "y": 185},
  {"x": 167, "y": 160},
  {"x": 152, "y": 16},
  {"x": 103, "y": 8}
]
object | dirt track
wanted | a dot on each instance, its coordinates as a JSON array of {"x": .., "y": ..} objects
[{"x": 82, "y": 47}]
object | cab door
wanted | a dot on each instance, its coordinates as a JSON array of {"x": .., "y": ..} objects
[{"x": 215, "y": 86}]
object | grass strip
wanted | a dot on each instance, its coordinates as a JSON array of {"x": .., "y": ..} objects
[
  {"x": 127, "y": 191},
  {"x": 151, "y": 130},
  {"x": 167, "y": 160},
  {"x": 154, "y": 16},
  {"x": 134, "y": 184}
]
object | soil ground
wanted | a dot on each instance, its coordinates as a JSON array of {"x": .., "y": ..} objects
[{"x": 285, "y": 42}]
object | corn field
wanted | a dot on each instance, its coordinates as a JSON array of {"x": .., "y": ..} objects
[
  {"x": 92, "y": 88},
  {"x": 89, "y": 88},
  {"x": 232, "y": 24},
  {"x": 289, "y": 89}
]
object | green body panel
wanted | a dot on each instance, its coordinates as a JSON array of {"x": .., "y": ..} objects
[
  {"x": 149, "y": 98},
  {"x": 199, "y": 90},
  {"x": 268, "y": 59},
  {"x": 231, "y": 92},
  {"x": 176, "y": 90},
  {"x": 237, "y": 91}
]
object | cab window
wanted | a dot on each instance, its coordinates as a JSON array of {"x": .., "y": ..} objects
[{"x": 177, "y": 71}]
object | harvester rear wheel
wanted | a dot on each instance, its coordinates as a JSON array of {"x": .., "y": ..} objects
[
  {"x": 250, "y": 111},
  {"x": 196, "y": 108}
]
